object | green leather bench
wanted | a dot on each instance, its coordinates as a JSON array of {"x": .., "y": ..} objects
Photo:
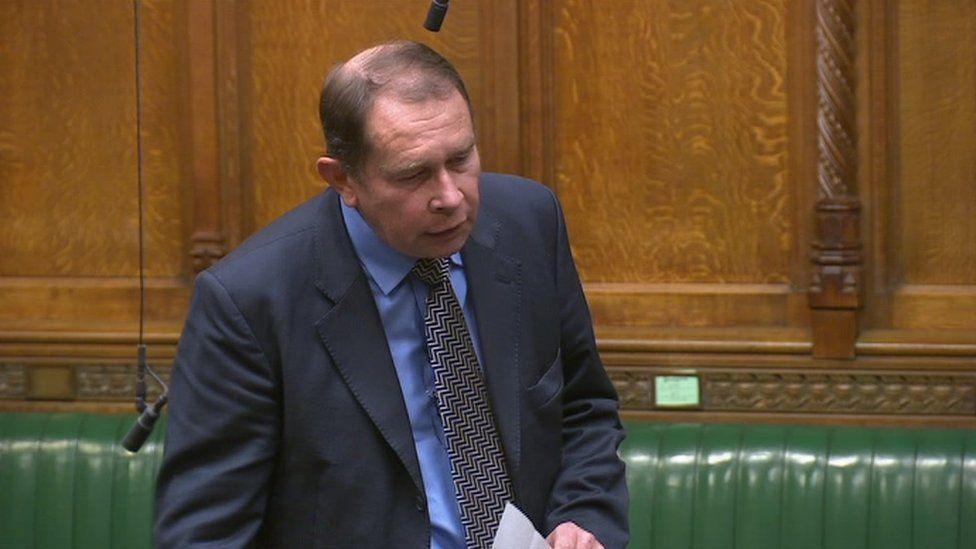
[
  {"x": 800, "y": 487},
  {"x": 65, "y": 482}
]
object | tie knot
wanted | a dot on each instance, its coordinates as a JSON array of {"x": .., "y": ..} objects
[{"x": 432, "y": 271}]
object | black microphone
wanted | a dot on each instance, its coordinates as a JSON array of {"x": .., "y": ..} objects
[
  {"x": 141, "y": 368},
  {"x": 143, "y": 427},
  {"x": 435, "y": 15}
]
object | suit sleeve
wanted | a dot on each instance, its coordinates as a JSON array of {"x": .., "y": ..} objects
[
  {"x": 222, "y": 429},
  {"x": 590, "y": 489}
]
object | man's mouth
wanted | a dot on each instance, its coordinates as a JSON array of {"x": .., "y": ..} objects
[{"x": 450, "y": 231}]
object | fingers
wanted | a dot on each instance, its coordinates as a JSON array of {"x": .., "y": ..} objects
[{"x": 570, "y": 536}]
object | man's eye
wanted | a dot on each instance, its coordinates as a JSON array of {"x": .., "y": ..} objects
[
  {"x": 412, "y": 176},
  {"x": 459, "y": 160}
]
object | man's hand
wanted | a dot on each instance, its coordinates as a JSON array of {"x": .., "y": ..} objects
[{"x": 569, "y": 536}]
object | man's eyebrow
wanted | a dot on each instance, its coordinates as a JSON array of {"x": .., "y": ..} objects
[
  {"x": 410, "y": 165},
  {"x": 465, "y": 149}
]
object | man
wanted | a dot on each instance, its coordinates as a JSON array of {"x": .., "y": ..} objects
[{"x": 391, "y": 362}]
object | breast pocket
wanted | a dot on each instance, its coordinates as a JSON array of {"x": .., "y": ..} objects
[{"x": 550, "y": 385}]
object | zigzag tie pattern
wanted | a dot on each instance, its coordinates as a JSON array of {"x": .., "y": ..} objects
[{"x": 478, "y": 467}]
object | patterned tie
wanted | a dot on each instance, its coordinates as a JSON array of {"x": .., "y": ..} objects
[{"x": 477, "y": 464}]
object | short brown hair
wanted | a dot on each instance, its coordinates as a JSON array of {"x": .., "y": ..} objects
[{"x": 410, "y": 70}]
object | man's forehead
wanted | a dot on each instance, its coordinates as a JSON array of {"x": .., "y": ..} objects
[
  {"x": 385, "y": 119},
  {"x": 388, "y": 153}
]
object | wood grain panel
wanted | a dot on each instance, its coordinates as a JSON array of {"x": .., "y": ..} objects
[
  {"x": 68, "y": 198},
  {"x": 290, "y": 46},
  {"x": 163, "y": 81},
  {"x": 686, "y": 305},
  {"x": 88, "y": 303},
  {"x": 929, "y": 263},
  {"x": 936, "y": 117},
  {"x": 671, "y": 139},
  {"x": 934, "y": 307}
]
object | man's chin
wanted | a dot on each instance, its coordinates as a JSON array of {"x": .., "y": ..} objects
[
  {"x": 443, "y": 252},
  {"x": 445, "y": 249}
]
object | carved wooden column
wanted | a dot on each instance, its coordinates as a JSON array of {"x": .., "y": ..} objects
[
  {"x": 207, "y": 241},
  {"x": 835, "y": 289}
]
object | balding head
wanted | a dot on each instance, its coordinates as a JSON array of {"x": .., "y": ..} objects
[{"x": 409, "y": 71}]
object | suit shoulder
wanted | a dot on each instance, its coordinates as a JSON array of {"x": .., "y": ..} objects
[
  {"x": 524, "y": 214},
  {"x": 516, "y": 195},
  {"x": 513, "y": 186},
  {"x": 276, "y": 246}
]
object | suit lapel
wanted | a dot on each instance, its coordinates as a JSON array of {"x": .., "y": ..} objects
[
  {"x": 353, "y": 335},
  {"x": 495, "y": 284}
]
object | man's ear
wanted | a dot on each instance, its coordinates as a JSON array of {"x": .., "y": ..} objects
[{"x": 333, "y": 171}]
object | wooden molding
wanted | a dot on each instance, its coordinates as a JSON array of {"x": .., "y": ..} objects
[
  {"x": 535, "y": 87},
  {"x": 635, "y": 388},
  {"x": 686, "y": 416},
  {"x": 880, "y": 392},
  {"x": 499, "y": 107},
  {"x": 114, "y": 381},
  {"x": 835, "y": 85},
  {"x": 75, "y": 382},
  {"x": 207, "y": 242},
  {"x": 71, "y": 407},
  {"x": 812, "y": 391},
  {"x": 228, "y": 28},
  {"x": 207, "y": 248},
  {"x": 835, "y": 287},
  {"x": 13, "y": 381},
  {"x": 841, "y": 392}
]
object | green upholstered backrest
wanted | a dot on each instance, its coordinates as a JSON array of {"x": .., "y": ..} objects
[
  {"x": 800, "y": 487},
  {"x": 66, "y": 482}
]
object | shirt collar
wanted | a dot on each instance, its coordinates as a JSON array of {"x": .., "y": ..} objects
[{"x": 386, "y": 266}]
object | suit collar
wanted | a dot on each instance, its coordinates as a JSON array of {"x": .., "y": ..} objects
[{"x": 336, "y": 265}]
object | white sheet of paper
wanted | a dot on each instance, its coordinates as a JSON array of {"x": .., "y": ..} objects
[{"x": 516, "y": 532}]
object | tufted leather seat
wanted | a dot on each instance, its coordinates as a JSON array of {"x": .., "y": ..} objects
[
  {"x": 66, "y": 482},
  {"x": 800, "y": 487}
]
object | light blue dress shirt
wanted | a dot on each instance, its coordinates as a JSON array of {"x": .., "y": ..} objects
[{"x": 401, "y": 298}]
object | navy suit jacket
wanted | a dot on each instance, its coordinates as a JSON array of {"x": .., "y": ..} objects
[{"x": 287, "y": 426}]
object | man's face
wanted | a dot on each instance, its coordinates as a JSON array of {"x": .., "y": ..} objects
[{"x": 419, "y": 185}]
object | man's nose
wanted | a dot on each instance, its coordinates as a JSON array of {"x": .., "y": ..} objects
[{"x": 447, "y": 196}]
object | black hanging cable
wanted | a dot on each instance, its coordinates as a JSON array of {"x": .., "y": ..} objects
[
  {"x": 149, "y": 413},
  {"x": 141, "y": 365}
]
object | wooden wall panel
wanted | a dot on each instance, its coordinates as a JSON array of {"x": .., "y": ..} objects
[
  {"x": 68, "y": 172},
  {"x": 68, "y": 88},
  {"x": 934, "y": 180},
  {"x": 670, "y": 149},
  {"x": 936, "y": 140},
  {"x": 164, "y": 143},
  {"x": 288, "y": 47},
  {"x": 67, "y": 112},
  {"x": 671, "y": 140}
]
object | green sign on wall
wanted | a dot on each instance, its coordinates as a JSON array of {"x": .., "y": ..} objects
[{"x": 676, "y": 391}]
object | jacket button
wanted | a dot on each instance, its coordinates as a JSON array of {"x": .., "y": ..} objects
[{"x": 420, "y": 503}]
